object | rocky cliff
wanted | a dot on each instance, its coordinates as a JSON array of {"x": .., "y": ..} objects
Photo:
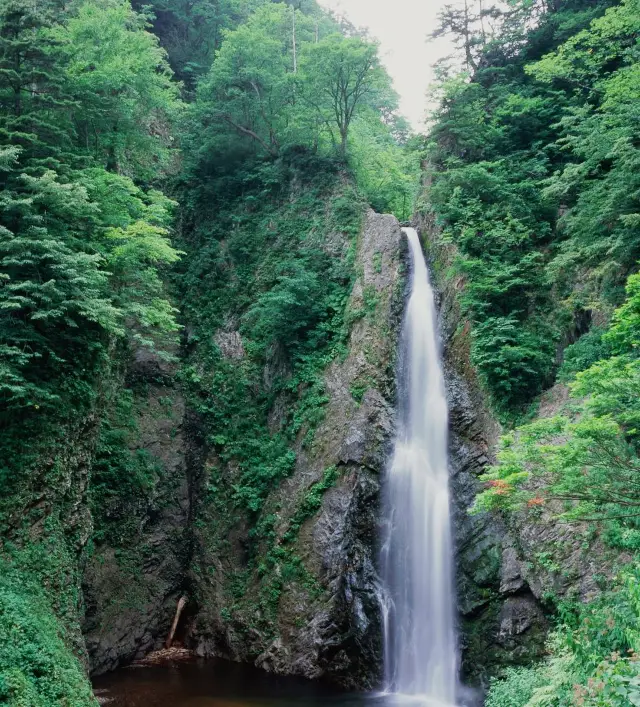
[
  {"x": 309, "y": 605},
  {"x": 293, "y": 587},
  {"x": 501, "y": 618},
  {"x": 136, "y": 564}
]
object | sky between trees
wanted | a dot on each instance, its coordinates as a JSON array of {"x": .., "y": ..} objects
[{"x": 402, "y": 27}]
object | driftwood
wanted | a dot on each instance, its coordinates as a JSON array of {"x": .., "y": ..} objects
[{"x": 182, "y": 602}]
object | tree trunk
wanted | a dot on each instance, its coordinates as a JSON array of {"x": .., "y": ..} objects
[
  {"x": 295, "y": 51},
  {"x": 343, "y": 143}
]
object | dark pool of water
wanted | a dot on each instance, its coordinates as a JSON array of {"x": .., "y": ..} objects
[{"x": 223, "y": 684}]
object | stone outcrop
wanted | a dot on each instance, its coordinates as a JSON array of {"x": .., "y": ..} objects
[
  {"x": 131, "y": 588},
  {"x": 315, "y": 611}
]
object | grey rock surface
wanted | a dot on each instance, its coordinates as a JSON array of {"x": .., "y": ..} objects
[
  {"x": 326, "y": 621},
  {"x": 131, "y": 591}
]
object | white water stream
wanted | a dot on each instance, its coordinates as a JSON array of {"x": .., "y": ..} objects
[{"x": 419, "y": 636}]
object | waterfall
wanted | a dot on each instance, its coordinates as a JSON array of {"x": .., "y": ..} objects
[{"x": 416, "y": 556}]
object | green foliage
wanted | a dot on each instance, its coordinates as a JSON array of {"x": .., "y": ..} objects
[
  {"x": 590, "y": 458},
  {"x": 341, "y": 76},
  {"x": 36, "y": 667},
  {"x": 251, "y": 86},
  {"x": 386, "y": 168},
  {"x": 85, "y": 98},
  {"x": 38, "y": 122},
  {"x": 492, "y": 211},
  {"x": 587, "y": 350},
  {"x": 600, "y": 137},
  {"x": 271, "y": 88},
  {"x": 192, "y": 32},
  {"x": 81, "y": 248},
  {"x": 593, "y": 658},
  {"x": 311, "y": 502},
  {"x": 276, "y": 276},
  {"x": 292, "y": 306},
  {"x": 534, "y": 170},
  {"x": 120, "y": 82},
  {"x": 71, "y": 282},
  {"x": 516, "y": 687}
]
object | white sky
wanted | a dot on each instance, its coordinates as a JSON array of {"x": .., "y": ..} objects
[{"x": 402, "y": 27}]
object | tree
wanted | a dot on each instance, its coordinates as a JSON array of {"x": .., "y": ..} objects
[
  {"x": 121, "y": 84},
  {"x": 80, "y": 247},
  {"x": 34, "y": 100},
  {"x": 250, "y": 88},
  {"x": 590, "y": 458},
  {"x": 385, "y": 167},
  {"x": 192, "y": 31},
  {"x": 340, "y": 78}
]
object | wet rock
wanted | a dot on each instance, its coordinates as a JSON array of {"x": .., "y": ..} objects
[{"x": 511, "y": 580}]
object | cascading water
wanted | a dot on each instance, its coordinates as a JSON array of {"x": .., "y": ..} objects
[{"x": 419, "y": 637}]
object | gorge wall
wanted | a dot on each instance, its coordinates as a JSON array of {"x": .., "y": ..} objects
[
  {"x": 307, "y": 604},
  {"x": 502, "y": 621},
  {"x": 244, "y": 474},
  {"x": 286, "y": 579},
  {"x": 292, "y": 588},
  {"x": 513, "y": 570}
]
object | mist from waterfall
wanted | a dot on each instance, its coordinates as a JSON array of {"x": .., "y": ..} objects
[{"x": 416, "y": 556}]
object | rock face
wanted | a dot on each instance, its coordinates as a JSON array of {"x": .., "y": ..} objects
[
  {"x": 132, "y": 582},
  {"x": 501, "y": 619},
  {"x": 312, "y": 609}
]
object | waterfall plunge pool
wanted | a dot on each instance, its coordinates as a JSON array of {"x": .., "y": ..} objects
[{"x": 219, "y": 683}]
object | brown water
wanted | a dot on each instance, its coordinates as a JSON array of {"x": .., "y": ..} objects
[{"x": 215, "y": 684}]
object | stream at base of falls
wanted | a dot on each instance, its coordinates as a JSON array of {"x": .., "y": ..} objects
[{"x": 218, "y": 683}]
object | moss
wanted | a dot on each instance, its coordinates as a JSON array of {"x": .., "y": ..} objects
[
  {"x": 40, "y": 645},
  {"x": 37, "y": 669}
]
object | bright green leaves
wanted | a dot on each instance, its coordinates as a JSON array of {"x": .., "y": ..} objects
[
  {"x": 581, "y": 59},
  {"x": 250, "y": 89},
  {"x": 593, "y": 658},
  {"x": 340, "y": 78},
  {"x": 588, "y": 464},
  {"x": 624, "y": 335},
  {"x": 36, "y": 667},
  {"x": 386, "y": 172},
  {"x": 294, "y": 304},
  {"x": 53, "y": 293},
  {"x": 279, "y": 82},
  {"x": 136, "y": 255},
  {"x": 599, "y": 136},
  {"x": 535, "y": 182},
  {"x": 82, "y": 248},
  {"x": 69, "y": 280},
  {"x": 121, "y": 83},
  {"x": 588, "y": 460},
  {"x": 494, "y": 214}
]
